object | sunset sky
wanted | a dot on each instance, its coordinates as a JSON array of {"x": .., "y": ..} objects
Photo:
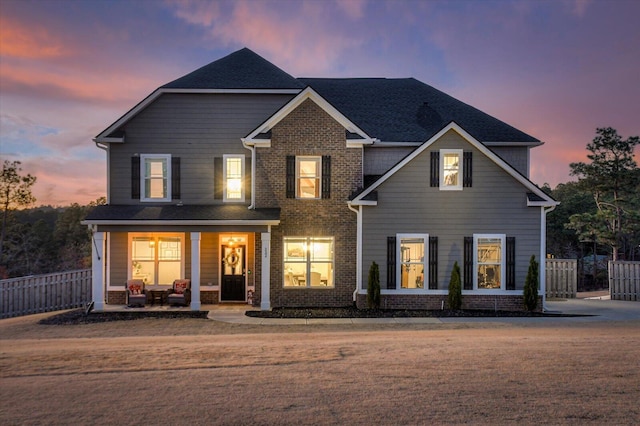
[{"x": 554, "y": 69}]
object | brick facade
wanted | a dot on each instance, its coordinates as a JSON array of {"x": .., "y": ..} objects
[{"x": 309, "y": 130}]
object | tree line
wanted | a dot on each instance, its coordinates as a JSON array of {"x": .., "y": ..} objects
[{"x": 598, "y": 215}]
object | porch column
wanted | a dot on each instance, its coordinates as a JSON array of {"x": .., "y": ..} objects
[
  {"x": 265, "y": 283},
  {"x": 97, "y": 271},
  {"x": 195, "y": 271}
]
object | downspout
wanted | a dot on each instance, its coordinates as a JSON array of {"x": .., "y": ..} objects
[
  {"x": 252, "y": 148},
  {"x": 358, "y": 213},
  {"x": 106, "y": 150},
  {"x": 543, "y": 255}
]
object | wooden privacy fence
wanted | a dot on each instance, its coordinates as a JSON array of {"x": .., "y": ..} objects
[
  {"x": 624, "y": 280},
  {"x": 561, "y": 278},
  {"x": 44, "y": 293}
]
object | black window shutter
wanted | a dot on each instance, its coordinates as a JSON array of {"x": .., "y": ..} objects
[
  {"x": 511, "y": 263},
  {"x": 467, "y": 169},
  {"x": 218, "y": 180},
  {"x": 326, "y": 176},
  {"x": 291, "y": 176},
  {"x": 175, "y": 178},
  {"x": 435, "y": 168},
  {"x": 391, "y": 263},
  {"x": 247, "y": 178},
  {"x": 467, "y": 273},
  {"x": 433, "y": 263},
  {"x": 135, "y": 178}
]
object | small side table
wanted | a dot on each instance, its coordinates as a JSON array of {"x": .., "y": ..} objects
[{"x": 157, "y": 295}]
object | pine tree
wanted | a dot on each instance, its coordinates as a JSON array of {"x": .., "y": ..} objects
[
  {"x": 373, "y": 287},
  {"x": 530, "y": 292}
]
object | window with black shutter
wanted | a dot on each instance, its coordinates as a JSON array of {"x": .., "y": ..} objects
[
  {"x": 175, "y": 178},
  {"x": 511, "y": 263},
  {"x": 326, "y": 176},
  {"x": 467, "y": 270},
  {"x": 291, "y": 176},
  {"x": 391, "y": 263},
  {"x": 135, "y": 178},
  {"x": 218, "y": 179},
  {"x": 433, "y": 263},
  {"x": 435, "y": 169},
  {"x": 467, "y": 169}
]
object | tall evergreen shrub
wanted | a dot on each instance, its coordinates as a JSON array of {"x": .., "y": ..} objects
[
  {"x": 455, "y": 288},
  {"x": 530, "y": 292},
  {"x": 373, "y": 287}
]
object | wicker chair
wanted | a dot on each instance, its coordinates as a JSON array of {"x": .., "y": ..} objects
[
  {"x": 180, "y": 293},
  {"x": 136, "y": 294}
]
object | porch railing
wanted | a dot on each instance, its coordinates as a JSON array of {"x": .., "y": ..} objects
[{"x": 44, "y": 293}]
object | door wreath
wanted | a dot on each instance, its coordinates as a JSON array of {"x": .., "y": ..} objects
[{"x": 232, "y": 259}]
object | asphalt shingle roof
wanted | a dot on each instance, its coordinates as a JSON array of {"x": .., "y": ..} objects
[
  {"x": 243, "y": 69},
  {"x": 175, "y": 212},
  {"x": 407, "y": 110}
]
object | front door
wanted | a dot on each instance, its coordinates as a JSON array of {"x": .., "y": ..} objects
[{"x": 233, "y": 272}]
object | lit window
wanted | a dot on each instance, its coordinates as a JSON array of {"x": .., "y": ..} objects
[
  {"x": 450, "y": 161},
  {"x": 156, "y": 172},
  {"x": 411, "y": 257},
  {"x": 308, "y": 177},
  {"x": 156, "y": 259},
  {"x": 233, "y": 174},
  {"x": 489, "y": 261},
  {"x": 308, "y": 262}
]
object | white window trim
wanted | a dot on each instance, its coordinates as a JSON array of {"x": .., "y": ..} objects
[
  {"x": 443, "y": 186},
  {"x": 132, "y": 235},
  {"x": 319, "y": 177},
  {"x": 143, "y": 177},
  {"x": 224, "y": 179},
  {"x": 308, "y": 263},
  {"x": 503, "y": 267},
  {"x": 425, "y": 263}
]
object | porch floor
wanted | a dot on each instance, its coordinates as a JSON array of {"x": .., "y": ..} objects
[{"x": 218, "y": 307}]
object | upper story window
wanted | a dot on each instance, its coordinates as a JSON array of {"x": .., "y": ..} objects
[
  {"x": 308, "y": 177},
  {"x": 233, "y": 172},
  {"x": 451, "y": 169},
  {"x": 156, "y": 177},
  {"x": 450, "y": 164}
]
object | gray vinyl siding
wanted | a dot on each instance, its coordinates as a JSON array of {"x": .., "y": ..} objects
[
  {"x": 495, "y": 204},
  {"x": 194, "y": 127},
  {"x": 516, "y": 156},
  {"x": 378, "y": 161}
]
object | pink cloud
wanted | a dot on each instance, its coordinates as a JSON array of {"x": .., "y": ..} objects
[
  {"x": 354, "y": 9},
  {"x": 29, "y": 42}
]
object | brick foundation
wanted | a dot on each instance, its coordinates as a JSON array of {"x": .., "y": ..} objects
[{"x": 424, "y": 301}]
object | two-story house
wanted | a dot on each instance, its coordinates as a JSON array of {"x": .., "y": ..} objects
[{"x": 246, "y": 180}]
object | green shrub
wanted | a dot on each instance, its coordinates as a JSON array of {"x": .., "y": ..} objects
[
  {"x": 373, "y": 287},
  {"x": 455, "y": 288},
  {"x": 530, "y": 292}
]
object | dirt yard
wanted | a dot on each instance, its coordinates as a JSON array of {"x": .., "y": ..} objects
[{"x": 194, "y": 371}]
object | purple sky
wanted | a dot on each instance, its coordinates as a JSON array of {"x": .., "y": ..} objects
[{"x": 555, "y": 69}]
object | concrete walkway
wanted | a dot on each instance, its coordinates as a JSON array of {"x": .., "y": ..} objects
[{"x": 594, "y": 310}]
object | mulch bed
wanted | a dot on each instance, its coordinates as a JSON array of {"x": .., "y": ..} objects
[
  {"x": 79, "y": 316},
  {"x": 352, "y": 312}
]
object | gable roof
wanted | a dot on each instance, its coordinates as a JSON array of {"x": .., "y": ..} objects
[
  {"x": 243, "y": 69},
  {"x": 388, "y": 110},
  {"x": 354, "y": 136},
  {"x": 535, "y": 196},
  {"x": 407, "y": 110}
]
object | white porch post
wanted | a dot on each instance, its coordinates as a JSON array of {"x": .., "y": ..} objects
[
  {"x": 97, "y": 271},
  {"x": 265, "y": 283},
  {"x": 195, "y": 271}
]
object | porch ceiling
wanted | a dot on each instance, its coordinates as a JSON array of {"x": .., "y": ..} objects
[{"x": 182, "y": 215}]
